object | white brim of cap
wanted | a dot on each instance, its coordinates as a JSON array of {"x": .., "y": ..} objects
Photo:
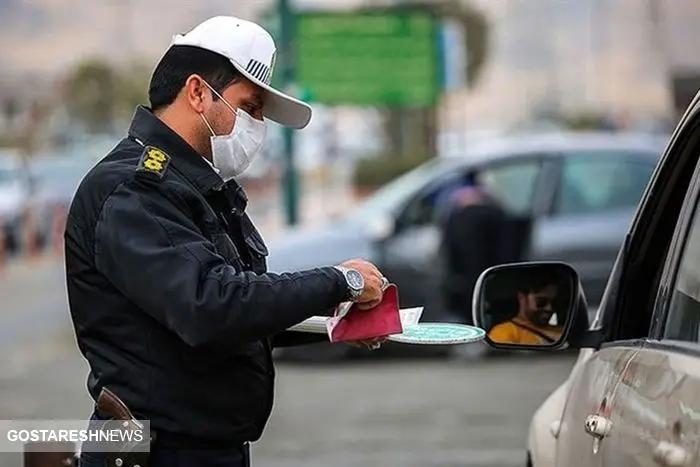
[{"x": 279, "y": 107}]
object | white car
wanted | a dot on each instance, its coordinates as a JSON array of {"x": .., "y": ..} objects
[
  {"x": 633, "y": 396},
  {"x": 14, "y": 194}
]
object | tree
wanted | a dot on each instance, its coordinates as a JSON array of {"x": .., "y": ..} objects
[
  {"x": 91, "y": 95},
  {"x": 98, "y": 95},
  {"x": 131, "y": 89}
]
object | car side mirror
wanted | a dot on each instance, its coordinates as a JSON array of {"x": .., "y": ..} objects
[{"x": 529, "y": 305}]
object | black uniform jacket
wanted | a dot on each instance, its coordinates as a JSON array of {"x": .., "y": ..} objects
[{"x": 168, "y": 289}]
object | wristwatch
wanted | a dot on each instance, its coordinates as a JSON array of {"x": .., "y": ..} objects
[{"x": 354, "y": 281}]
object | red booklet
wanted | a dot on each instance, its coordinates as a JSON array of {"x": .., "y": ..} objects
[{"x": 352, "y": 324}]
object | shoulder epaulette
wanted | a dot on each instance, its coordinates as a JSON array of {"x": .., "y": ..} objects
[{"x": 153, "y": 160}]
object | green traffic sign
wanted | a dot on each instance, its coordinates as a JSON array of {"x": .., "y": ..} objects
[{"x": 379, "y": 59}]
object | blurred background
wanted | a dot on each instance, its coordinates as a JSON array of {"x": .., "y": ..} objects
[{"x": 431, "y": 119}]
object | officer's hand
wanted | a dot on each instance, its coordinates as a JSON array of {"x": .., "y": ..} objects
[{"x": 374, "y": 283}]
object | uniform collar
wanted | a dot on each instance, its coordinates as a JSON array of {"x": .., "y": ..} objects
[
  {"x": 151, "y": 131},
  {"x": 210, "y": 164}
]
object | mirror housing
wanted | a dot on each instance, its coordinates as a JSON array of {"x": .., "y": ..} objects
[{"x": 530, "y": 306}]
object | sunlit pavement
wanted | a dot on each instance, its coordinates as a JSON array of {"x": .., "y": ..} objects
[{"x": 369, "y": 412}]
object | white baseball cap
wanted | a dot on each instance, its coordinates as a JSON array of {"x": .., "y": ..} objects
[{"x": 252, "y": 51}]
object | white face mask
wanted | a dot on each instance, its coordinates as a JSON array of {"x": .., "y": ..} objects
[{"x": 232, "y": 154}]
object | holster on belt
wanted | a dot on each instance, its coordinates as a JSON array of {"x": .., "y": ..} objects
[
  {"x": 50, "y": 454},
  {"x": 110, "y": 407}
]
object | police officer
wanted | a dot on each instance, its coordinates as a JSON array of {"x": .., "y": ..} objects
[{"x": 170, "y": 299}]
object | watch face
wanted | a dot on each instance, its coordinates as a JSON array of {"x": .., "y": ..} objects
[{"x": 355, "y": 280}]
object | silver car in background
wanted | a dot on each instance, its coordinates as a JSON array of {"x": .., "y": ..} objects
[
  {"x": 15, "y": 190},
  {"x": 578, "y": 192}
]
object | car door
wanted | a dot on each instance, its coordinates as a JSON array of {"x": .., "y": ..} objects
[
  {"x": 411, "y": 256},
  {"x": 657, "y": 418},
  {"x": 596, "y": 421},
  {"x": 592, "y": 397},
  {"x": 634, "y": 402},
  {"x": 408, "y": 255},
  {"x": 597, "y": 194}
]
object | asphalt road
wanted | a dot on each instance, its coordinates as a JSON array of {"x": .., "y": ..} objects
[{"x": 372, "y": 412}]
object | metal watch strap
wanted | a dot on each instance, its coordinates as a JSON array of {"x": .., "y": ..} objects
[{"x": 352, "y": 294}]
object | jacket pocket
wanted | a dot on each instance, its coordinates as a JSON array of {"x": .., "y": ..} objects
[
  {"x": 225, "y": 247},
  {"x": 256, "y": 246}
]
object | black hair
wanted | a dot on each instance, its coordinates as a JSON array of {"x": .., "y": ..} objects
[
  {"x": 181, "y": 61},
  {"x": 538, "y": 280}
]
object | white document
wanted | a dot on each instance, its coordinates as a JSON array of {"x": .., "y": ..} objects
[{"x": 317, "y": 324}]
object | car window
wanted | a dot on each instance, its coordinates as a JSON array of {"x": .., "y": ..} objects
[
  {"x": 598, "y": 182},
  {"x": 429, "y": 206},
  {"x": 513, "y": 185},
  {"x": 394, "y": 194},
  {"x": 683, "y": 322}
]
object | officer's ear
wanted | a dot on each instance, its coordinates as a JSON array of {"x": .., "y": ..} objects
[{"x": 197, "y": 94}]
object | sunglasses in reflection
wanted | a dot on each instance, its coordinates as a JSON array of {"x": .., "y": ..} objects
[{"x": 543, "y": 301}]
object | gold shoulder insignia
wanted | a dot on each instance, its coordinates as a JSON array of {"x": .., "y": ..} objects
[{"x": 153, "y": 160}]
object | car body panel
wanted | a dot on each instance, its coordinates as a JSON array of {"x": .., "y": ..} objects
[
  {"x": 410, "y": 259},
  {"x": 657, "y": 407},
  {"x": 306, "y": 248},
  {"x": 592, "y": 392},
  {"x": 545, "y": 425}
]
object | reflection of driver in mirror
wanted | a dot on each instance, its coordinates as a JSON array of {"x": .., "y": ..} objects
[{"x": 533, "y": 323}]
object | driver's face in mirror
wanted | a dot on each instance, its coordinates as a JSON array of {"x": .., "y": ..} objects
[
  {"x": 535, "y": 321},
  {"x": 537, "y": 307}
]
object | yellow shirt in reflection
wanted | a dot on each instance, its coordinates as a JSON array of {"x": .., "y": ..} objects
[{"x": 517, "y": 332}]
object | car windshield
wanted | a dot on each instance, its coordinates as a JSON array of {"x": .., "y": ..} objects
[{"x": 391, "y": 196}]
